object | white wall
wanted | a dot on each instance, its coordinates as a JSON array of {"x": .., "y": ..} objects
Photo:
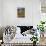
[
  {"x": 36, "y": 12},
  {"x": 32, "y": 12},
  {"x": 1, "y": 18}
]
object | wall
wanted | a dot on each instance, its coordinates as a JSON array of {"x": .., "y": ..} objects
[
  {"x": 9, "y": 12},
  {"x": 1, "y": 12}
]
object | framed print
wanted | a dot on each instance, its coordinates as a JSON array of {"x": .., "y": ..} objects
[{"x": 21, "y": 12}]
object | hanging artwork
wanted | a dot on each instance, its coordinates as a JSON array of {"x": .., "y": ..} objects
[{"x": 21, "y": 12}]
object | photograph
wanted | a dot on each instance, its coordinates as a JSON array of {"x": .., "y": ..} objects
[{"x": 21, "y": 12}]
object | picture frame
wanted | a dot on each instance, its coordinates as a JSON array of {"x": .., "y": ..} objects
[{"x": 21, "y": 12}]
